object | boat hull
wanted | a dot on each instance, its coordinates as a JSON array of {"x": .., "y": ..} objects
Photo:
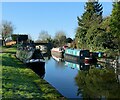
[
  {"x": 38, "y": 68},
  {"x": 73, "y": 58},
  {"x": 58, "y": 52}
]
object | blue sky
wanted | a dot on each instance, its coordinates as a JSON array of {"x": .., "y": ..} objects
[{"x": 33, "y": 17}]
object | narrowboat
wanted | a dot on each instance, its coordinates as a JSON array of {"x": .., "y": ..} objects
[
  {"x": 58, "y": 52},
  {"x": 76, "y": 55},
  {"x": 98, "y": 54},
  {"x": 30, "y": 55}
]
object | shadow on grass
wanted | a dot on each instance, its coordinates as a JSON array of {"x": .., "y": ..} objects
[
  {"x": 10, "y": 60},
  {"x": 20, "y": 82},
  {"x": 11, "y": 49}
]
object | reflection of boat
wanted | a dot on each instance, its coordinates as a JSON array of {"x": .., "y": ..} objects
[
  {"x": 82, "y": 66},
  {"x": 78, "y": 66},
  {"x": 58, "y": 59},
  {"x": 72, "y": 65},
  {"x": 58, "y": 52},
  {"x": 29, "y": 55}
]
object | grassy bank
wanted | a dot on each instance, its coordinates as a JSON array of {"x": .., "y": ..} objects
[
  {"x": 8, "y": 49},
  {"x": 19, "y": 82}
]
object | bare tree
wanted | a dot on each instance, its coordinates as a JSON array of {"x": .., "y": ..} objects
[
  {"x": 6, "y": 29},
  {"x": 60, "y": 38},
  {"x": 44, "y": 36}
]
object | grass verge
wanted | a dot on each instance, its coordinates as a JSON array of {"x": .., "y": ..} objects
[{"x": 20, "y": 82}]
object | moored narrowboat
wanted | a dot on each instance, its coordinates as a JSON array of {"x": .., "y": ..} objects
[
  {"x": 28, "y": 54},
  {"x": 58, "y": 52},
  {"x": 76, "y": 55}
]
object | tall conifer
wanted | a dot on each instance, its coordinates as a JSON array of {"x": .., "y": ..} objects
[
  {"x": 115, "y": 24},
  {"x": 91, "y": 16}
]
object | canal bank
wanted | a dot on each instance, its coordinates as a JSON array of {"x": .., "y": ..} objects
[{"x": 21, "y": 82}]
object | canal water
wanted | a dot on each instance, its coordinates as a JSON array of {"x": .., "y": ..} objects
[
  {"x": 75, "y": 80},
  {"x": 61, "y": 77}
]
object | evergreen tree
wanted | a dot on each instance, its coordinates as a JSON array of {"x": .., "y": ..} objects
[
  {"x": 115, "y": 24},
  {"x": 92, "y": 16},
  {"x": 105, "y": 37}
]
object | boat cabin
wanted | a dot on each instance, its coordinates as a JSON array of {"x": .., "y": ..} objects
[{"x": 77, "y": 52}]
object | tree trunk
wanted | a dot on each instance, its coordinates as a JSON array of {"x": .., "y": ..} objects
[{"x": 4, "y": 44}]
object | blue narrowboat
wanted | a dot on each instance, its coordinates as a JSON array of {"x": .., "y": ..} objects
[{"x": 76, "y": 55}]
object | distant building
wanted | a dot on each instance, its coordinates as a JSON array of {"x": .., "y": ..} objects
[
  {"x": 10, "y": 42},
  {"x": 19, "y": 37}
]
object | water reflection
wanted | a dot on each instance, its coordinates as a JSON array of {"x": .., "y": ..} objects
[
  {"x": 78, "y": 66},
  {"x": 39, "y": 69},
  {"x": 58, "y": 59},
  {"x": 46, "y": 55},
  {"x": 80, "y": 80},
  {"x": 98, "y": 82},
  {"x": 59, "y": 62}
]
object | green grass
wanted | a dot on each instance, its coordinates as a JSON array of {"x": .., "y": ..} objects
[
  {"x": 8, "y": 49},
  {"x": 20, "y": 82}
]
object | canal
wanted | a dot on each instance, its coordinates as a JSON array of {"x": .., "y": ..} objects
[{"x": 74, "y": 80}]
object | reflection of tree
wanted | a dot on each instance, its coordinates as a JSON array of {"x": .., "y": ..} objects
[{"x": 98, "y": 83}]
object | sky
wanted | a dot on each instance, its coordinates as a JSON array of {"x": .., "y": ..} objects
[{"x": 34, "y": 17}]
